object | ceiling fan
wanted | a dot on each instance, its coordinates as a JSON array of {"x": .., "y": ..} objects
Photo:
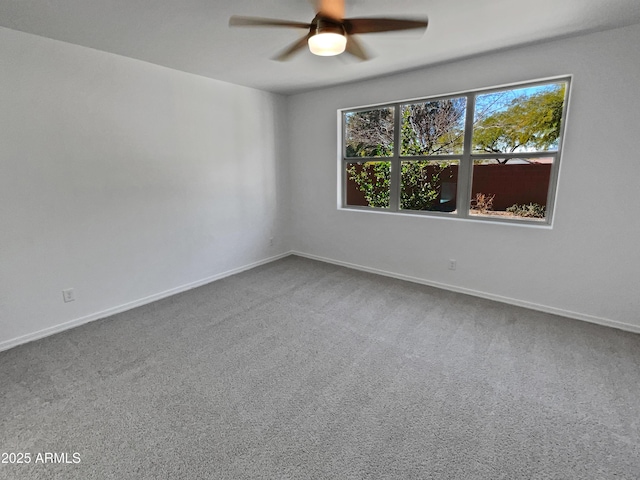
[{"x": 329, "y": 32}]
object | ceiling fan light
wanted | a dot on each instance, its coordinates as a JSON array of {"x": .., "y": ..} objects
[{"x": 327, "y": 44}]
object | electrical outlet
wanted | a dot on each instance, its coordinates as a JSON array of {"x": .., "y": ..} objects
[
  {"x": 271, "y": 242},
  {"x": 68, "y": 295},
  {"x": 452, "y": 264}
]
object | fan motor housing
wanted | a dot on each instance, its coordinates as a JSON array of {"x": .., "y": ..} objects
[{"x": 326, "y": 25}]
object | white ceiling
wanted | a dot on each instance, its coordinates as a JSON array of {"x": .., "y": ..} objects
[{"x": 193, "y": 35}]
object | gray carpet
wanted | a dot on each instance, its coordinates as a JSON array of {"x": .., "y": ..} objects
[{"x": 304, "y": 370}]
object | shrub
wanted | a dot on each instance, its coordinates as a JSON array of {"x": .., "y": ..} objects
[
  {"x": 421, "y": 183},
  {"x": 533, "y": 210},
  {"x": 483, "y": 202},
  {"x": 373, "y": 180}
]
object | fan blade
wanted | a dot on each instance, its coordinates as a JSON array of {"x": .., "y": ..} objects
[
  {"x": 373, "y": 25},
  {"x": 330, "y": 8},
  {"x": 354, "y": 47},
  {"x": 293, "y": 48},
  {"x": 237, "y": 21}
]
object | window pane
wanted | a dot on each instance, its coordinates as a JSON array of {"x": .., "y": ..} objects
[
  {"x": 511, "y": 188},
  {"x": 368, "y": 184},
  {"x": 433, "y": 128},
  {"x": 430, "y": 186},
  {"x": 369, "y": 134},
  {"x": 519, "y": 120}
]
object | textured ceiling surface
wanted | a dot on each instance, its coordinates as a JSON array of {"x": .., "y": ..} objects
[{"x": 194, "y": 36}]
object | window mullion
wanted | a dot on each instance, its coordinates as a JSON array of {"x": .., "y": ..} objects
[
  {"x": 394, "y": 193},
  {"x": 465, "y": 170}
]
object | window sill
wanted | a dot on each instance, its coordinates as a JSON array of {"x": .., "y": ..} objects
[{"x": 451, "y": 217}]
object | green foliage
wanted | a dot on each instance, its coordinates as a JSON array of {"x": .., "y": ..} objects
[
  {"x": 373, "y": 180},
  {"x": 533, "y": 210},
  {"x": 421, "y": 183},
  {"x": 523, "y": 123}
]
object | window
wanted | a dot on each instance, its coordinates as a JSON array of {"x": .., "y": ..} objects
[{"x": 490, "y": 154}]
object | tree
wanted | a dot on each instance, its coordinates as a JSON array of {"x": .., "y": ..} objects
[
  {"x": 370, "y": 133},
  {"x": 433, "y": 128},
  {"x": 428, "y": 128},
  {"x": 524, "y": 123}
]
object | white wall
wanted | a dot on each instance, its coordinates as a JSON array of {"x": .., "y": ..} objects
[
  {"x": 587, "y": 266},
  {"x": 126, "y": 180},
  {"x": 129, "y": 181}
]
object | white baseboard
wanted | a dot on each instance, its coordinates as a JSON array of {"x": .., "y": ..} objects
[
  {"x": 30, "y": 337},
  {"x": 476, "y": 293},
  {"x": 7, "y": 344}
]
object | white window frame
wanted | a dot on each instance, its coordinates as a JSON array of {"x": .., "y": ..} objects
[{"x": 466, "y": 158}]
